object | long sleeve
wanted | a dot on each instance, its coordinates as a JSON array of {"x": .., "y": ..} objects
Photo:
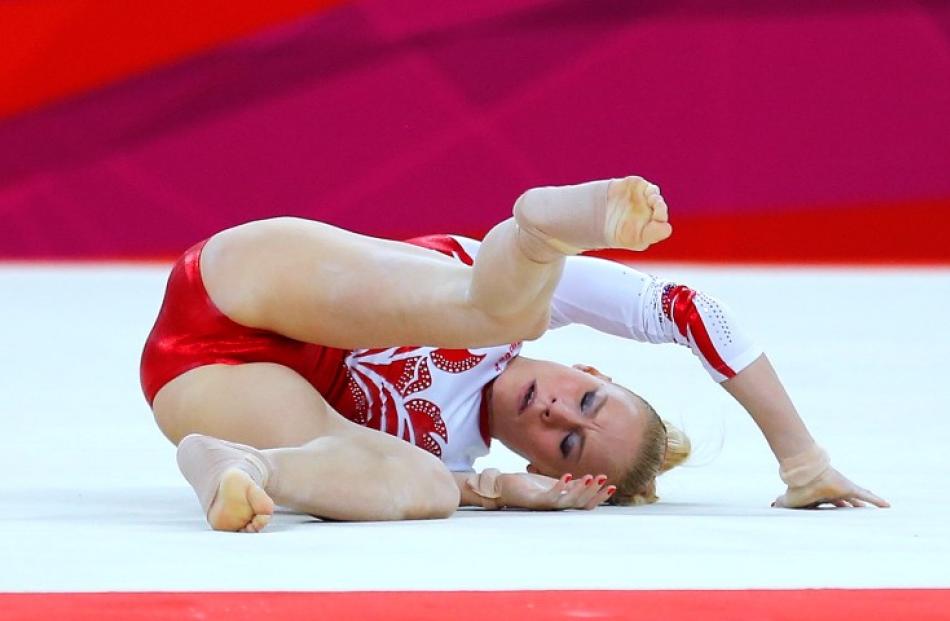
[{"x": 616, "y": 299}]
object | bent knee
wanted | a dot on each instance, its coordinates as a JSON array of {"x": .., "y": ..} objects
[
  {"x": 530, "y": 326},
  {"x": 246, "y": 245},
  {"x": 444, "y": 495},
  {"x": 276, "y": 226},
  {"x": 526, "y": 326},
  {"x": 537, "y": 326},
  {"x": 249, "y": 269},
  {"x": 429, "y": 491}
]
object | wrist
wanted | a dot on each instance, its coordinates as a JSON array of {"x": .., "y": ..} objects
[
  {"x": 804, "y": 467},
  {"x": 487, "y": 488}
]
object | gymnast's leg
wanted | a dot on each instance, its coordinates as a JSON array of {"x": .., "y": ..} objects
[
  {"x": 339, "y": 470},
  {"x": 320, "y": 284}
]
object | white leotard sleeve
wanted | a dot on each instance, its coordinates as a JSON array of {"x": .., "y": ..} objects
[{"x": 616, "y": 299}]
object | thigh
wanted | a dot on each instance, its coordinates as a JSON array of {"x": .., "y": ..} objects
[
  {"x": 261, "y": 404},
  {"x": 320, "y": 284}
]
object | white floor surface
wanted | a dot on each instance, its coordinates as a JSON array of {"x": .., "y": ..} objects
[{"x": 91, "y": 499}]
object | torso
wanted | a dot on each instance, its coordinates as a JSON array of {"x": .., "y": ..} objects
[{"x": 433, "y": 398}]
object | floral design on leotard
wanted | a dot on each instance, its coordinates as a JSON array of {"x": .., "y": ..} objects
[{"x": 381, "y": 385}]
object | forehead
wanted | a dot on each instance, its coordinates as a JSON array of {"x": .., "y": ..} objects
[{"x": 613, "y": 446}]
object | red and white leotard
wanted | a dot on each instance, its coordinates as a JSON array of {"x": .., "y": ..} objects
[{"x": 435, "y": 397}]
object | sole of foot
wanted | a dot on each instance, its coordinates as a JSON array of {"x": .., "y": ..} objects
[
  {"x": 240, "y": 505},
  {"x": 637, "y": 215}
]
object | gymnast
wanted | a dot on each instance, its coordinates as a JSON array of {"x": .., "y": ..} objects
[{"x": 355, "y": 378}]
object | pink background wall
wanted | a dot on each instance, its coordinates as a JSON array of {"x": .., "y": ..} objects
[{"x": 761, "y": 121}]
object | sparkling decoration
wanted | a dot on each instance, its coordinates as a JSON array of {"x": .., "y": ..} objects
[
  {"x": 456, "y": 360},
  {"x": 380, "y": 383}
]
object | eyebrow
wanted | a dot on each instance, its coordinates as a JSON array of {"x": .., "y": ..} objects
[{"x": 600, "y": 404}]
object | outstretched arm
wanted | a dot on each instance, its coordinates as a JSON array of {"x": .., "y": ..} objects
[
  {"x": 803, "y": 466},
  {"x": 622, "y": 301}
]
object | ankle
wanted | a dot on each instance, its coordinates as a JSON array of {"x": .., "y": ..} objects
[{"x": 539, "y": 250}]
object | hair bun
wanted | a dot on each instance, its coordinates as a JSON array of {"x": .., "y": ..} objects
[{"x": 678, "y": 447}]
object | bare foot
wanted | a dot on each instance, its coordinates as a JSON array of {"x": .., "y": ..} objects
[
  {"x": 229, "y": 480},
  {"x": 615, "y": 213},
  {"x": 240, "y": 504},
  {"x": 637, "y": 216}
]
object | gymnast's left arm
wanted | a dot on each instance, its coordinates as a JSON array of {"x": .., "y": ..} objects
[{"x": 616, "y": 299}]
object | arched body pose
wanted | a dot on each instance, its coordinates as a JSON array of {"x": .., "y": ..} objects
[{"x": 355, "y": 378}]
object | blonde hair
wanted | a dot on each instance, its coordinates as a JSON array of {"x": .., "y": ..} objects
[{"x": 663, "y": 448}]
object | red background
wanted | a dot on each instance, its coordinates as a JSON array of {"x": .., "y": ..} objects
[{"x": 781, "y": 131}]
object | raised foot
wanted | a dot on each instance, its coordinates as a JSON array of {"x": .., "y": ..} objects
[
  {"x": 610, "y": 213},
  {"x": 240, "y": 504},
  {"x": 637, "y": 215}
]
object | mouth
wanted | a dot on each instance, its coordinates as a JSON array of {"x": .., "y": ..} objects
[{"x": 527, "y": 396}]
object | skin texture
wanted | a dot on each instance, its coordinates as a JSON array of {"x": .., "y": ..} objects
[
  {"x": 761, "y": 393},
  {"x": 281, "y": 274},
  {"x": 577, "y": 420}
]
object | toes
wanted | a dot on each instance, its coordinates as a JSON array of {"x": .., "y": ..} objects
[
  {"x": 262, "y": 506},
  {"x": 656, "y": 232},
  {"x": 260, "y": 502},
  {"x": 660, "y": 210},
  {"x": 260, "y": 522},
  {"x": 240, "y": 504},
  {"x": 257, "y": 524},
  {"x": 641, "y": 214}
]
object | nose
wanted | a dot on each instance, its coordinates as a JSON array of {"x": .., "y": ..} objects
[{"x": 559, "y": 414}]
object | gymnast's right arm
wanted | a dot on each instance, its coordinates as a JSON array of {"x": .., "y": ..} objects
[
  {"x": 619, "y": 300},
  {"x": 622, "y": 301}
]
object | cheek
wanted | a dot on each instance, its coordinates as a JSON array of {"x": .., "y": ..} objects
[{"x": 542, "y": 447}]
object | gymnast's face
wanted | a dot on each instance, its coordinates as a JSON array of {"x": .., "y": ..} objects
[{"x": 563, "y": 419}]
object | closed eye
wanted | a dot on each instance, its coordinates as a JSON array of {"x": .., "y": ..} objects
[
  {"x": 568, "y": 444},
  {"x": 590, "y": 407},
  {"x": 587, "y": 400}
]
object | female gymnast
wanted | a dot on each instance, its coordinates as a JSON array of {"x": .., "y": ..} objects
[{"x": 284, "y": 348}]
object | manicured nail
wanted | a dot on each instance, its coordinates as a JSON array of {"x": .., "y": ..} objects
[
  {"x": 568, "y": 477},
  {"x": 588, "y": 481},
  {"x": 611, "y": 490},
  {"x": 601, "y": 480}
]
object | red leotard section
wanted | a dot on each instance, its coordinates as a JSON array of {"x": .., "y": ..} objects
[{"x": 191, "y": 332}]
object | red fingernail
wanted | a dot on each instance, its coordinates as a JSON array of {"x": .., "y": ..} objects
[
  {"x": 588, "y": 481},
  {"x": 568, "y": 477},
  {"x": 611, "y": 490},
  {"x": 601, "y": 480}
]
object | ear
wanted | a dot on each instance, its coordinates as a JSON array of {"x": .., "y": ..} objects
[
  {"x": 586, "y": 368},
  {"x": 532, "y": 470}
]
